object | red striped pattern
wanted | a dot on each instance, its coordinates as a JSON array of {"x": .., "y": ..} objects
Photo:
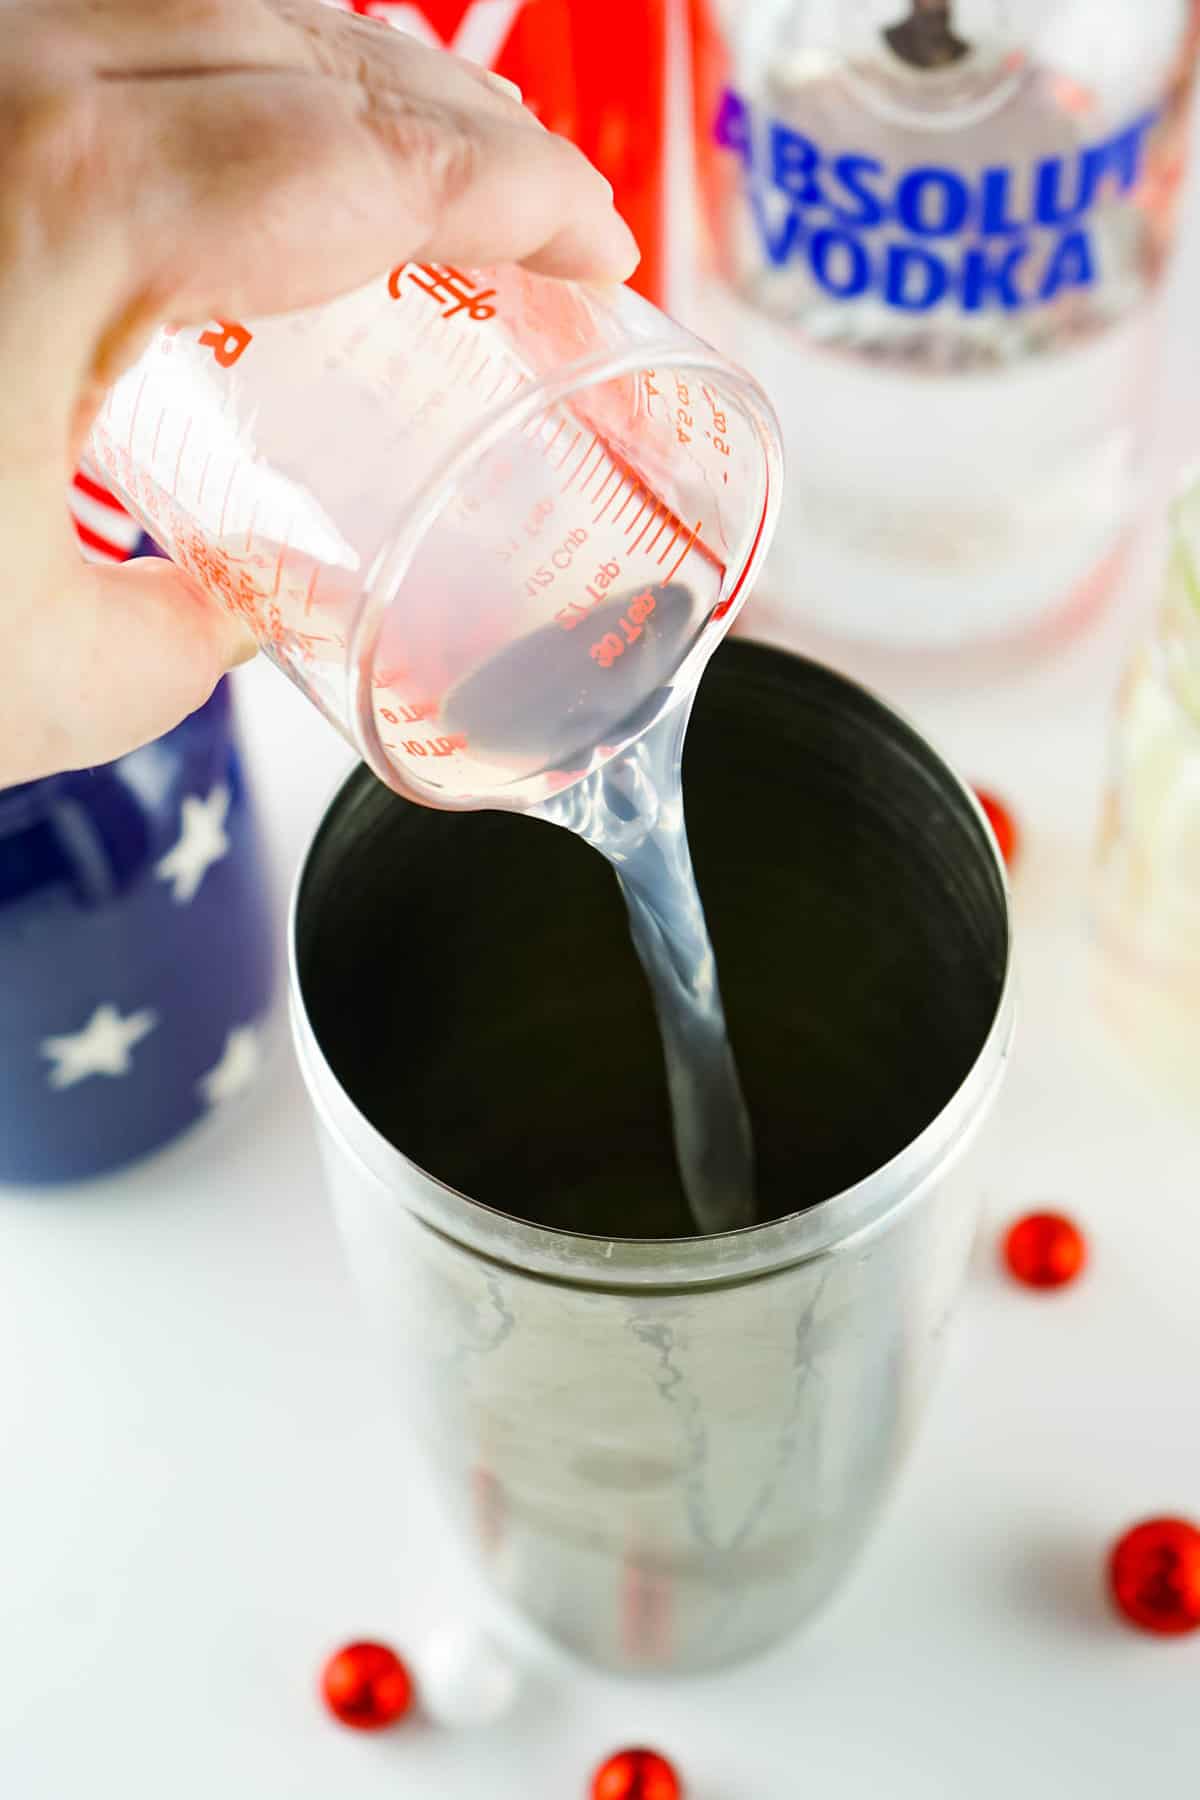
[{"x": 105, "y": 530}]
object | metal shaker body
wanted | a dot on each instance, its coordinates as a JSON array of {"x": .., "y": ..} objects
[{"x": 667, "y": 1451}]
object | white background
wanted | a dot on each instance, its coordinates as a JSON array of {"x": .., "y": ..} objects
[{"x": 206, "y": 1486}]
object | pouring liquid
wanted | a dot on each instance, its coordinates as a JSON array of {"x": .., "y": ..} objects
[
  {"x": 542, "y": 704},
  {"x": 631, "y": 811}
]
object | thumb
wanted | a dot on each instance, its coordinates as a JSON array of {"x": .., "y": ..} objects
[{"x": 118, "y": 657}]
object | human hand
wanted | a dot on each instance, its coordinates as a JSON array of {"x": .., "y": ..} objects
[{"x": 181, "y": 160}]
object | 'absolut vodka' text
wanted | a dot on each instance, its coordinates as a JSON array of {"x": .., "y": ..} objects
[{"x": 1004, "y": 238}]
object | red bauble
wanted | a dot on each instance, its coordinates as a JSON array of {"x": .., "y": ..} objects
[
  {"x": 636, "y": 1775},
  {"x": 1002, "y": 823},
  {"x": 1154, "y": 1574},
  {"x": 1045, "y": 1250},
  {"x": 366, "y": 1686}
]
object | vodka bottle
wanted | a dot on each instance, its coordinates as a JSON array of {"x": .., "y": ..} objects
[{"x": 935, "y": 231}]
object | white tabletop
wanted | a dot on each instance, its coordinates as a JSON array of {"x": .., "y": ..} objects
[{"x": 206, "y": 1485}]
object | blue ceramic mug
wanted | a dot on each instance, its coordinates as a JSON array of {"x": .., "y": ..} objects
[{"x": 136, "y": 952}]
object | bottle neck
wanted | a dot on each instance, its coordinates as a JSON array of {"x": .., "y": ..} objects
[
  {"x": 926, "y": 39},
  {"x": 926, "y": 70}
]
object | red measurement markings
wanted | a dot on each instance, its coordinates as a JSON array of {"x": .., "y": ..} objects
[
  {"x": 409, "y": 715},
  {"x": 152, "y": 499},
  {"x": 304, "y": 643},
  {"x": 179, "y": 458},
  {"x": 569, "y": 616},
  {"x": 450, "y": 289},
  {"x": 439, "y": 746},
  {"x": 596, "y": 474},
  {"x": 669, "y": 545},
  {"x": 251, "y": 525},
  {"x": 714, "y": 407},
  {"x": 665, "y": 521},
  {"x": 673, "y": 571},
  {"x": 547, "y": 448},
  {"x": 632, "y": 623},
  {"x": 581, "y": 465},
  {"x": 225, "y": 501},
  {"x": 133, "y": 416},
  {"x": 654, "y": 512},
  {"x": 203, "y": 477},
  {"x": 283, "y": 550},
  {"x": 636, "y": 491},
  {"x": 157, "y": 434},
  {"x": 214, "y": 570},
  {"x": 429, "y": 324},
  {"x": 684, "y": 422},
  {"x": 462, "y": 345},
  {"x": 473, "y": 378},
  {"x": 310, "y": 594},
  {"x": 596, "y": 517},
  {"x": 559, "y": 466},
  {"x": 718, "y": 436}
]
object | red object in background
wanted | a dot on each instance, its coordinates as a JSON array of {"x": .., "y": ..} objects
[
  {"x": 716, "y": 172},
  {"x": 1154, "y": 1575},
  {"x": 366, "y": 1686},
  {"x": 636, "y": 1775},
  {"x": 593, "y": 70},
  {"x": 1002, "y": 823},
  {"x": 1045, "y": 1250},
  {"x": 105, "y": 530}
]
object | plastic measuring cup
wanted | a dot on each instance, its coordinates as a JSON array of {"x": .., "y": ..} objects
[{"x": 489, "y": 523}]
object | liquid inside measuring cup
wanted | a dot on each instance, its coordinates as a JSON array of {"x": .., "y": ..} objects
[{"x": 578, "y": 595}]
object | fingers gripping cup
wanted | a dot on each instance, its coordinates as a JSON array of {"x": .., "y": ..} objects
[
  {"x": 666, "y": 1449},
  {"x": 492, "y": 524}
]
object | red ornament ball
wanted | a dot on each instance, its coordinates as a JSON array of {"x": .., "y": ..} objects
[
  {"x": 366, "y": 1686},
  {"x": 1154, "y": 1574},
  {"x": 1002, "y": 823},
  {"x": 1045, "y": 1250},
  {"x": 636, "y": 1775}
]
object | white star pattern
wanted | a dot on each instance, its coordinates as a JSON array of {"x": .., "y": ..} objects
[
  {"x": 238, "y": 1066},
  {"x": 202, "y": 842},
  {"x": 101, "y": 1048}
]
